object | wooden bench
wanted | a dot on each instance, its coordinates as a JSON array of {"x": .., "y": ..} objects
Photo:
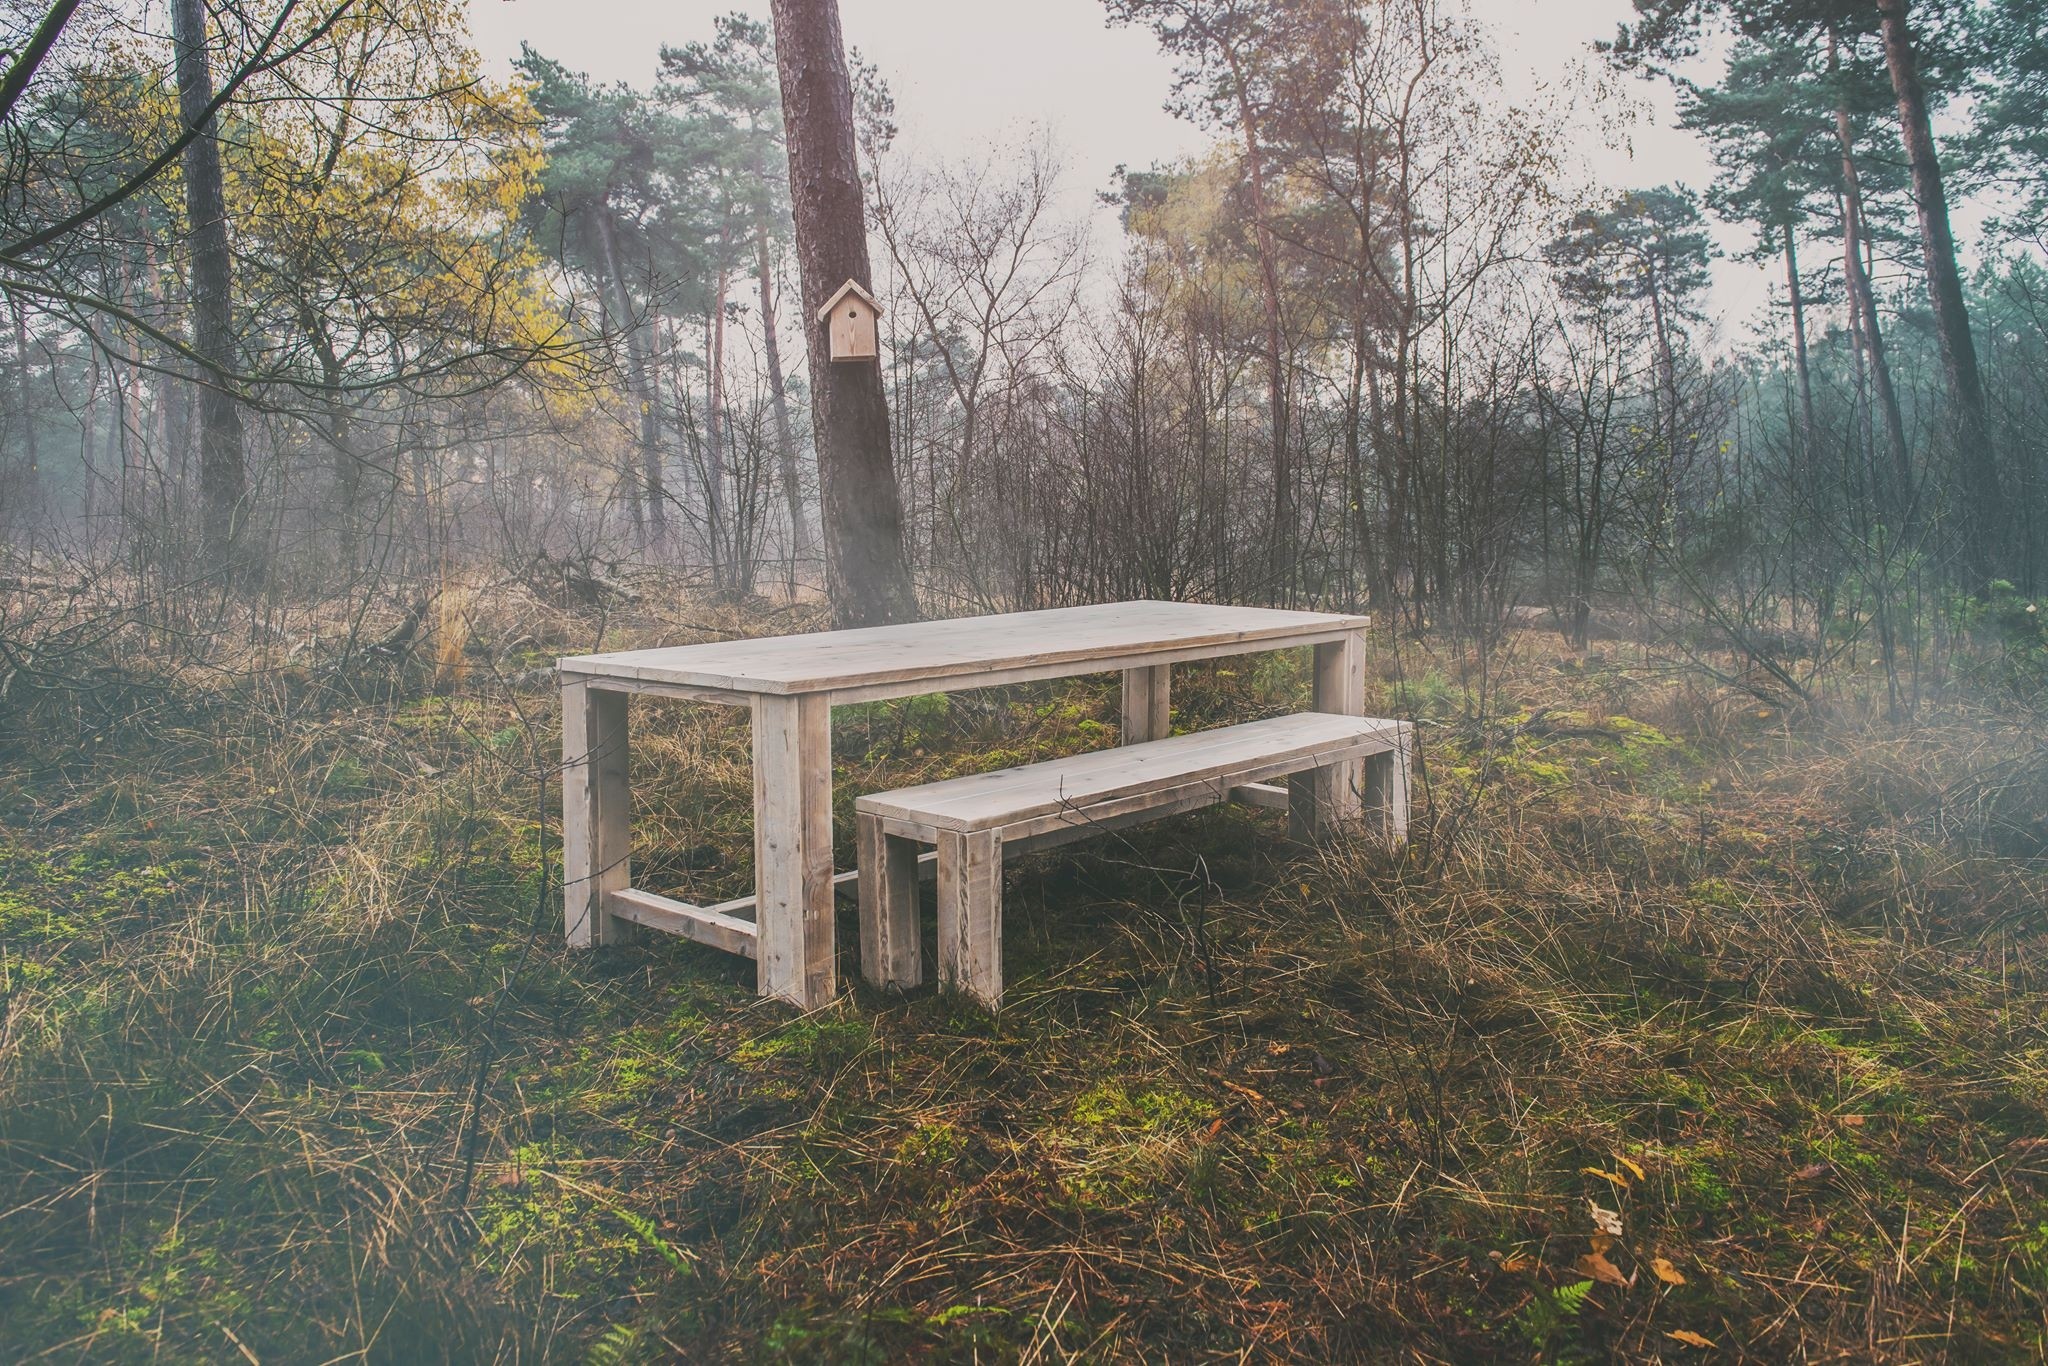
[{"x": 1339, "y": 767}]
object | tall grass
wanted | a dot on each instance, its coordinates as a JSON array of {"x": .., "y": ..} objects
[{"x": 295, "y": 1068}]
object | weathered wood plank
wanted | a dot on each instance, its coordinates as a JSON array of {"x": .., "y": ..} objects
[
  {"x": 596, "y": 812},
  {"x": 968, "y": 651},
  {"x": 793, "y": 848},
  {"x": 1225, "y": 758},
  {"x": 705, "y": 924},
  {"x": 1271, "y": 796},
  {"x": 971, "y": 914},
  {"x": 674, "y": 691}
]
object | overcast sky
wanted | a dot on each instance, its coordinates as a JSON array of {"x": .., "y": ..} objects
[{"x": 965, "y": 72}]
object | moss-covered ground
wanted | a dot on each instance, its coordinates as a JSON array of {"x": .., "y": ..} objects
[{"x": 1687, "y": 1029}]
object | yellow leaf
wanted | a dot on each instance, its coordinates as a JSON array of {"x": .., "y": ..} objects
[
  {"x": 1602, "y": 1270},
  {"x": 1666, "y": 1272},
  {"x": 1304, "y": 889},
  {"x": 1689, "y": 1338},
  {"x": 1634, "y": 1169},
  {"x": 1619, "y": 1181}
]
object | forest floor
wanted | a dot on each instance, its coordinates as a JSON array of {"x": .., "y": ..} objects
[{"x": 1689, "y": 1028}]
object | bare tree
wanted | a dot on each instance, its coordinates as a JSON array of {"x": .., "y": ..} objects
[
  {"x": 991, "y": 277},
  {"x": 223, "y": 482}
]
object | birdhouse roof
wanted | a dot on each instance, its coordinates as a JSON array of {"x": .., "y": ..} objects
[{"x": 850, "y": 287}]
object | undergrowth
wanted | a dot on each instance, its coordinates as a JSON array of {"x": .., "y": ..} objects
[{"x": 1683, "y": 1022}]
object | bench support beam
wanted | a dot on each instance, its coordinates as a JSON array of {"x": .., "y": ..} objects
[{"x": 705, "y": 924}]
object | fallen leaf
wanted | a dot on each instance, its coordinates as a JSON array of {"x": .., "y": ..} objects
[
  {"x": 1602, "y": 1241},
  {"x": 1666, "y": 1272},
  {"x": 1304, "y": 889},
  {"x": 1518, "y": 1262},
  {"x": 1814, "y": 1172},
  {"x": 1606, "y": 1220},
  {"x": 1854, "y": 1121},
  {"x": 1633, "y": 1169},
  {"x": 1602, "y": 1270},
  {"x": 1621, "y": 1182},
  {"x": 1689, "y": 1338}
]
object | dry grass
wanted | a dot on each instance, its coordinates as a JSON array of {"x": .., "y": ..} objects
[{"x": 1761, "y": 989}]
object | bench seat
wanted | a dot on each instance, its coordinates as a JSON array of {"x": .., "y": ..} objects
[{"x": 1340, "y": 768}]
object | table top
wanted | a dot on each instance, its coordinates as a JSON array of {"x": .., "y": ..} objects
[{"x": 1041, "y": 644}]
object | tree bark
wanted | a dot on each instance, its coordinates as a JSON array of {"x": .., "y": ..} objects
[
  {"x": 778, "y": 388},
  {"x": 1284, "y": 516},
  {"x": 863, "y": 511},
  {"x": 1799, "y": 361},
  {"x": 653, "y": 488},
  {"x": 778, "y": 394},
  {"x": 1945, "y": 290},
  {"x": 223, "y": 479},
  {"x": 725, "y": 550},
  {"x": 30, "y": 493},
  {"x": 1863, "y": 310}
]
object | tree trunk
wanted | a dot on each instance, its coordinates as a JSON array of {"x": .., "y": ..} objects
[
  {"x": 1863, "y": 310},
  {"x": 27, "y": 500},
  {"x": 223, "y": 480},
  {"x": 1667, "y": 386},
  {"x": 1284, "y": 556},
  {"x": 725, "y": 550},
  {"x": 778, "y": 389},
  {"x": 652, "y": 485},
  {"x": 1799, "y": 361},
  {"x": 863, "y": 511},
  {"x": 1945, "y": 290},
  {"x": 778, "y": 394}
]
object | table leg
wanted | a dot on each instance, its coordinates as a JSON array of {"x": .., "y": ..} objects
[
  {"x": 1324, "y": 797},
  {"x": 596, "y": 812},
  {"x": 1148, "y": 704},
  {"x": 793, "y": 848}
]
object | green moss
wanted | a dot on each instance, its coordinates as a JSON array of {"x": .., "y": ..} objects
[
  {"x": 826, "y": 1044},
  {"x": 1147, "y": 1109},
  {"x": 1717, "y": 891}
]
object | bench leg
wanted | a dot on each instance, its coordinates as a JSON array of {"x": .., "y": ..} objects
[
  {"x": 889, "y": 955},
  {"x": 596, "y": 813},
  {"x": 1386, "y": 789},
  {"x": 1325, "y": 797},
  {"x": 1148, "y": 704},
  {"x": 971, "y": 915}
]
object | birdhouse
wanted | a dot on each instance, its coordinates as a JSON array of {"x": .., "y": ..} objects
[{"x": 849, "y": 318}]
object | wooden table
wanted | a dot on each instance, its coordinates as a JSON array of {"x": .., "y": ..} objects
[{"x": 791, "y": 684}]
